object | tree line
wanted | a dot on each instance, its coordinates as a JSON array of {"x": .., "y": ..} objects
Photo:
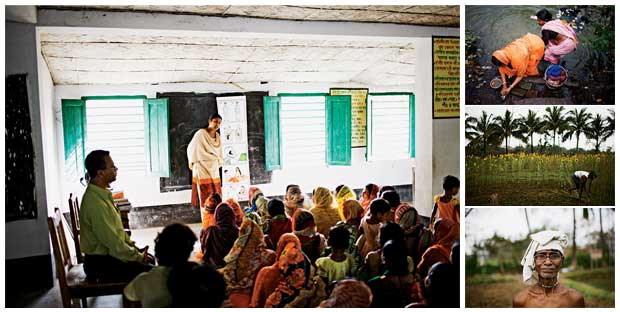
[{"x": 488, "y": 130}]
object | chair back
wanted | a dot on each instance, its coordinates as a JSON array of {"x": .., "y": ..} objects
[
  {"x": 74, "y": 212},
  {"x": 62, "y": 257}
]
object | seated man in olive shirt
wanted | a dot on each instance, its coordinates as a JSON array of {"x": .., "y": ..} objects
[{"x": 109, "y": 253}]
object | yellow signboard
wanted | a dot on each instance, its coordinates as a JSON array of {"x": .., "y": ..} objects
[
  {"x": 446, "y": 73},
  {"x": 358, "y": 114}
]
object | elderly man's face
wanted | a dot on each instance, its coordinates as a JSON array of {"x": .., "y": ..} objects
[{"x": 548, "y": 263}]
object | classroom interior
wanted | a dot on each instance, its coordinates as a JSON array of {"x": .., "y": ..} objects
[{"x": 92, "y": 73}]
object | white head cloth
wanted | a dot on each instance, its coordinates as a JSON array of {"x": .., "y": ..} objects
[{"x": 541, "y": 241}]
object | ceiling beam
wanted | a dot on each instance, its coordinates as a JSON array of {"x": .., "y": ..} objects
[{"x": 240, "y": 25}]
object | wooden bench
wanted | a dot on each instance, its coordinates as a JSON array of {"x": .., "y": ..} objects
[{"x": 72, "y": 279}]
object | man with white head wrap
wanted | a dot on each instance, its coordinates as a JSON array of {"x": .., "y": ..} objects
[{"x": 542, "y": 263}]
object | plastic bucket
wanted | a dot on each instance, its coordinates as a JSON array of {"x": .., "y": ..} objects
[{"x": 559, "y": 84}]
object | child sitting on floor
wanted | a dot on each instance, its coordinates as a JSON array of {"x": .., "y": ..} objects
[{"x": 339, "y": 264}]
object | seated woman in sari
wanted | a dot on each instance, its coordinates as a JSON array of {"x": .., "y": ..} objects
[
  {"x": 373, "y": 264},
  {"x": 324, "y": 212},
  {"x": 519, "y": 58},
  {"x": 282, "y": 284},
  {"x": 277, "y": 223},
  {"x": 370, "y": 192},
  {"x": 237, "y": 210},
  {"x": 353, "y": 213},
  {"x": 417, "y": 238},
  {"x": 445, "y": 232},
  {"x": 343, "y": 193},
  {"x": 370, "y": 225},
  {"x": 247, "y": 256},
  {"x": 395, "y": 287},
  {"x": 304, "y": 227},
  {"x": 217, "y": 240}
]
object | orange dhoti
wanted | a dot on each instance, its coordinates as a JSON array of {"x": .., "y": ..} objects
[{"x": 523, "y": 54}]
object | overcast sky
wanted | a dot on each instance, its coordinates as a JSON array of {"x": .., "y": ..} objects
[
  {"x": 482, "y": 223},
  {"x": 521, "y": 110}
]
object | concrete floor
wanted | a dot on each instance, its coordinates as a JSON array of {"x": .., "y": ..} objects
[{"x": 51, "y": 298}]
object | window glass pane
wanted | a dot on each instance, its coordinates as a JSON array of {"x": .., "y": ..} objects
[
  {"x": 389, "y": 127},
  {"x": 302, "y": 124},
  {"x": 118, "y": 126}
]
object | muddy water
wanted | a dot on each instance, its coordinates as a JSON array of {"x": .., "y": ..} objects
[{"x": 499, "y": 25}]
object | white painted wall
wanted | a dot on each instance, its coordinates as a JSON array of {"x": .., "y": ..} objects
[
  {"x": 144, "y": 190},
  {"x": 446, "y": 150},
  {"x": 50, "y": 148},
  {"x": 424, "y": 128},
  {"x": 28, "y": 238}
]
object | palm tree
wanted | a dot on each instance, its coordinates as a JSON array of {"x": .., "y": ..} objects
[
  {"x": 530, "y": 125},
  {"x": 577, "y": 121},
  {"x": 555, "y": 121},
  {"x": 508, "y": 126},
  {"x": 599, "y": 130},
  {"x": 481, "y": 130}
]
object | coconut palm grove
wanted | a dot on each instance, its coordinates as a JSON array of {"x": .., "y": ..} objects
[{"x": 552, "y": 156}]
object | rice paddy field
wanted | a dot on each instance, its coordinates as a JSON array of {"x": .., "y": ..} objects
[{"x": 531, "y": 180}]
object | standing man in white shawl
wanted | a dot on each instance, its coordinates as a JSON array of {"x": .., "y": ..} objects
[
  {"x": 204, "y": 157},
  {"x": 542, "y": 263}
]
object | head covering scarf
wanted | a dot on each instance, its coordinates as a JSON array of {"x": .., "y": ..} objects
[
  {"x": 253, "y": 194},
  {"x": 370, "y": 197},
  {"x": 325, "y": 214},
  {"x": 237, "y": 210},
  {"x": 352, "y": 210},
  {"x": 322, "y": 197},
  {"x": 349, "y": 293},
  {"x": 246, "y": 257},
  {"x": 407, "y": 217},
  {"x": 260, "y": 205},
  {"x": 545, "y": 240},
  {"x": 345, "y": 193},
  {"x": 254, "y": 217},
  {"x": 292, "y": 266},
  {"x": 220, "y": 238}
]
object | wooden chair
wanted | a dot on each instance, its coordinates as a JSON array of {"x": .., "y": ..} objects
[
  {"x": 72, "y": 279},
  {"x": 74, "y": 212}
]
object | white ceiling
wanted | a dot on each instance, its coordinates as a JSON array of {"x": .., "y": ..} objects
[
  {"x": 428, "y": 15},
  {"x": 83, "y": 56}
]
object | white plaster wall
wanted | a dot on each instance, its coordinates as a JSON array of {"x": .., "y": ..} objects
[
  {"x": 50, "y": 152},
  {"x": 28, "y": 238},
  {"x": 446, "y": 150},
  {"x": 144, "y": 190},
  {"x": 424, "y": 128}
]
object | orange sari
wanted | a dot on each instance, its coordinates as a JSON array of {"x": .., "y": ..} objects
[{"x": 523, "y": 54}]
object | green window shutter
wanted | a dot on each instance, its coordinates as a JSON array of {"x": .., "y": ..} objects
[
  {"x": 412, "y": 121},
  {"x": 338, "y": 134},
  {"x": 271, "y": 108},
  {"x": 74, "y": 131},
  {"x": 156, "y": 136}
]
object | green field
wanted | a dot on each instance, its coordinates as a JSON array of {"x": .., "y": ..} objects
[
  {"x": 486, "y": 291},
  {"x": 526, "y": 179}
]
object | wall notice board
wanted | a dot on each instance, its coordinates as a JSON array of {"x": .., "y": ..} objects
[
  {"x": 359, "y": 98},
  {"x": 446, "y": 77}
]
